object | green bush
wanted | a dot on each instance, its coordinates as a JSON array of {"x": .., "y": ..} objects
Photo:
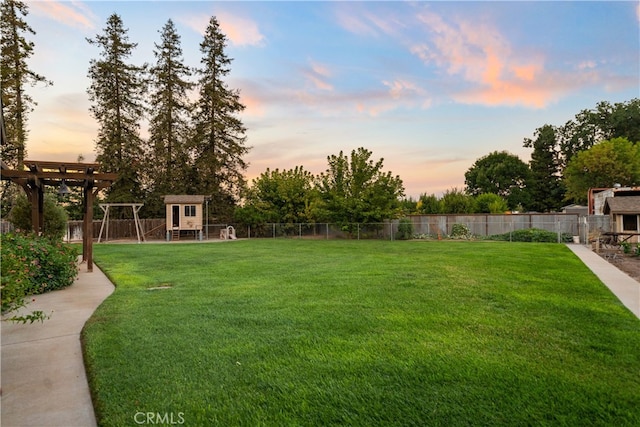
[
  {"x": 33, "y": 265},
  {"x": 405, "y": 229},
  {"x": 460, "y": 231},
  {"x": 532, "y": 235},
  {"x": 55, "y": 217}
]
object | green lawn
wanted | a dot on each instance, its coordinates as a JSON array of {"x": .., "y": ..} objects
[{"x": 295, "y": 332}]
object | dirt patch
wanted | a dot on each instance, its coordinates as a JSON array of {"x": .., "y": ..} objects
[{"x": 626, "y": 263}]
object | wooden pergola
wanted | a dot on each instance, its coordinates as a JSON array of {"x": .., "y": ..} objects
[{"x": 35, "y": 175}]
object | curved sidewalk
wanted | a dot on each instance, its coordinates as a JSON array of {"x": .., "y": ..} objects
[
  {"x": 623, "y": 286},
  {"x": 43, "y": 377}
]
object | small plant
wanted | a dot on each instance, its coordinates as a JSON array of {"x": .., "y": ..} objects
[
  {"x": 460, "y": 231},
  {"x": 626, "y": 247},
  {"x": 405, "y": 229}
]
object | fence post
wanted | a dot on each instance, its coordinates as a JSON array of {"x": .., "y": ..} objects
[
  {"x": 327, "y": 224},
  {"x": 300, "y": 231}
]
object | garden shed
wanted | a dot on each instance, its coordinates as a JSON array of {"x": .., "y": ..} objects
[
  {"x": 625, "y": 217},
  {"x": 184, "y": 213}
]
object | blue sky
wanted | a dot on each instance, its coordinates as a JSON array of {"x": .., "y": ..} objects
[{"x": 428, "y": 86}]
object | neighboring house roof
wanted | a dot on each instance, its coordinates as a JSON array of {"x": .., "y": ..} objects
[
  {"x": 622, "y": 205},
  {"x": 182, "y": 199}
]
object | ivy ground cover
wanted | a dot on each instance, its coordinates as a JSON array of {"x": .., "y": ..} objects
[{"x": 295, "y": 332}]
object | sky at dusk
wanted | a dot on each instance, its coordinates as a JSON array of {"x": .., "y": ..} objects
[{"x": 428, "y": 86}]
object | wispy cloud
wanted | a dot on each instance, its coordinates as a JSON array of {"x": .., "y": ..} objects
[
  {"x": 240, "y": 31},
  {"x": 477, "y": 62},
  {"x": 319, "y": 75},
  {"x": 74, "y": 14}
]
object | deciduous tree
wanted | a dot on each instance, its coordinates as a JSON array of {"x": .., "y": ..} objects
[
  {"x": 286, "y": 196},
  {"x": 606, "y": 121},
  {"x": 356, "y": 190},
  {"x": 603, "y": 165},
  {"x": 455, "y": 201},
  {"x": 500, "y": 173}
]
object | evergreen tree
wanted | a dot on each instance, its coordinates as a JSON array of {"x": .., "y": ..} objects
[
  {"x": 545, "y": 186},
  {"x": 117, "y": 91},
  {"x": 169, "y": 162},
  {"x": 15, "y": 50},
  {"x": 218, "y": 145}
]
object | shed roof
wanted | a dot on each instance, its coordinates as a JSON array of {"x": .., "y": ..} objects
[
  {"x": 184, "y": 198},
  {"x": 622, "y": 205}
]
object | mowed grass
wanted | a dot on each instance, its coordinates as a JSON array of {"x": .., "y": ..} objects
[{"x": 295, "y": 332}]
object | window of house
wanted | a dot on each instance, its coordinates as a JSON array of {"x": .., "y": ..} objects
[
  {"x": 630, "y": 222},
  {"x": 190, "y": 210}
]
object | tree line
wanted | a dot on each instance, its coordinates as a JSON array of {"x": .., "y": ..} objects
[
  {"x": 194, "y": 147},
  {"x": 198, "y": 147}
]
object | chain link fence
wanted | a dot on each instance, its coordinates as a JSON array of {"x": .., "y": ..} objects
[{"x": 567, "y": 227}]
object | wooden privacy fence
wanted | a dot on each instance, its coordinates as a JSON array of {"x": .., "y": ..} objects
[{"x": 492, "y": 224}]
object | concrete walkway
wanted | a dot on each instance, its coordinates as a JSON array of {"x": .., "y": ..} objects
[
  {"x": 43, "y": 377},
  {"x": 623, "y": 286}
]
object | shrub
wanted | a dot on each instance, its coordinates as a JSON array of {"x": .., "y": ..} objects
[
  {"x": 532, "y": 235},
  {"x": 33, "y": 265},
  {"x": 460, "y": 231},
  {"x": 405, "y": 229},
  {"x": 55, "y": 217}
]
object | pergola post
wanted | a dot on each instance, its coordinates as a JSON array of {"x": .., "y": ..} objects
[
  {"x": 37, "y": 174},
  {"x": 87, "y": 229}
]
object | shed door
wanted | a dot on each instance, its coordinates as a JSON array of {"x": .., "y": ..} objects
[{"x": 175, "y": 216}]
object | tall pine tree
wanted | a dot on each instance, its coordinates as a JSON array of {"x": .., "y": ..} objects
[
  {"x": 15, "y": 74},
  {"x": 117, "y": 91},
  {"x": 169, "y": 164},
  {"x": 218, "y": 145}
]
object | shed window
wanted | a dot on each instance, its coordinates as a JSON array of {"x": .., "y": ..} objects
[
  {"x": 190, "y": 210},
  {"x": 630, "y": 222}
]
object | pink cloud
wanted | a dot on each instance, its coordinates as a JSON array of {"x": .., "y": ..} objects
[
  {"x": 239, "y": 31},
  {"x": 484, "y": 58},
  {"x": 73, "y": 14}
]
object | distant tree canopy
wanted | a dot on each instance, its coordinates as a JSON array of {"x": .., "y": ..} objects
[
  {"x": 616, "y": 161},
  {"x": 355, "y": 189},
  {"x": 499, "y": 173},
  {"x": 280, "y": 196},
  {"x": 605, "y": 122}
]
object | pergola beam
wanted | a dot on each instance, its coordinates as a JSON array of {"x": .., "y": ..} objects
[{"x": 38, "y": 174}]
